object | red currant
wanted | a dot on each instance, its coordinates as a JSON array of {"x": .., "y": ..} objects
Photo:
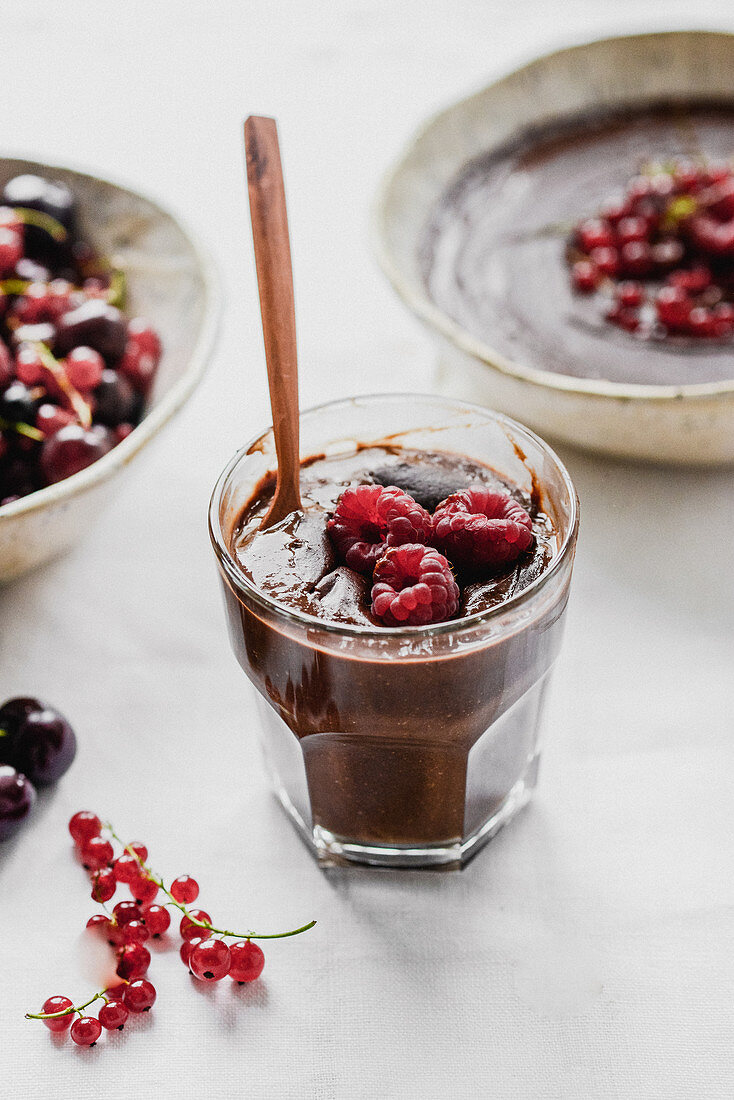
[
  {"x": 632, "y": 229},
  {"x": 701, "y": 322},
  {"x": 133, "y": 961},
  {"x": 595, "y": 233},
  {"x": 188, "y": 946},
  {"x": 209, "y": 960},
  {"x": 83, "y": 826},
  {"x": 140, "y": 850},
  {"x": 667, "y": 253},
  {"x": 125, "y": 911},
  {"x": 724, "y": 312},
  {"x": 614, "y": 211},
  {"x": 126, "y": 868},
  {"x": 585, "y": 276},
  {"x": 57, "y": 1004},
  {"x": 693, "y": 281},
  {"x": 134, "y": 932},
  {"x": 101, "y": 924},
  {"x": 630, "y": 294},
  {"x": 624, "y": 317},
  {"x": 157, "y": 920},
  {"x": 140, "y": 996},
  {"x": 188, "y": 929},
  {"x": 96, "y": 853},
  {"x": 143, "y": 889},
  {"x": 86, "y": 1031},
  {"x": 185, "y": 889},
  {"x": 103, "y": 885},
  {"x": 636, "y": 258},
  {"x": 606, "y": 260},
  {"x": 113, "y": 1015},
  {"x": 246, "y": 961},
  {"x": 673, "y": 306}
]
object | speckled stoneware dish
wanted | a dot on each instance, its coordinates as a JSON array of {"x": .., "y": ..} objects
[
  {"x": 172, "y": 283},
  {"x": 684, "y": 423}
]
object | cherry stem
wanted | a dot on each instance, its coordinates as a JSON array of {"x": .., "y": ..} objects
[
  {"x": 198, "y": 923},
  {"x": 66, "y": 1011},
  {"x": 30, "y": 432},
  {"x": 40, "y": 220},
  {"x": 77, "y": 402}
]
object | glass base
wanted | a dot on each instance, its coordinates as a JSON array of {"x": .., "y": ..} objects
[{"x": 338, "y": 851}]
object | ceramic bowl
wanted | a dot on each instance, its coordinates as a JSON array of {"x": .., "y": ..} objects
[
  {"x": 682, "y": 424},
  {"x": 171, "y": 282}
]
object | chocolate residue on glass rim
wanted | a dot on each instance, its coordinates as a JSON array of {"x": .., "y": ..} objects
[
  {"x": 493, "y": 252},
  {"x": 294, "y": 562}
]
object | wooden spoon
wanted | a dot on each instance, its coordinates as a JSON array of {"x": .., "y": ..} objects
[{"x": 275, "y": 284}]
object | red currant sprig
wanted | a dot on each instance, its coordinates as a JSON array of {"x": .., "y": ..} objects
[
  {"x": 131, "y": 923},
  {"x": 186, "y": 889}
]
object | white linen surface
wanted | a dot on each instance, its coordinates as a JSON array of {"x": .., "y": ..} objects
[{"x": 588, "y": 952}]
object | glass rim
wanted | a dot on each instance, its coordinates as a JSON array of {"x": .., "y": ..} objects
[{"x": 237, "y": 578}]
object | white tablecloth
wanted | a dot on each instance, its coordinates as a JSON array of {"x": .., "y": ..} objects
[{"x": 588, "y": 952}]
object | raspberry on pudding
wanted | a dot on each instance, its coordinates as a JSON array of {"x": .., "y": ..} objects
[
  {"x": 413, "y": 586},
  {"x": 358, "y": 506},
  {"x": 401, "y": 627},
  {"x": 367, "y": 516}
]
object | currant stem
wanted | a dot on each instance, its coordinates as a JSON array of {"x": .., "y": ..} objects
[
  {"x": 198, "y": 923},
  {"x": 66, "y": 1011}
]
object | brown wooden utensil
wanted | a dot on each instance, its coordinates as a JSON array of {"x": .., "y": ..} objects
[{"x": 275, "y": 285}]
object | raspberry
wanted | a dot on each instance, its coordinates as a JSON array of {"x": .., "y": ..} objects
[
  {"x": 482, "y": 527},
  {"x": 413, "y": 586},
  {"x": 370, "y": 517}
]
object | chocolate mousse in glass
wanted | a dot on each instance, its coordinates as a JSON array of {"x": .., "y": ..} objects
[{"x": 395, "y": 746}]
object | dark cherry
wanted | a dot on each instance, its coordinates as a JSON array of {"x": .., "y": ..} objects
[
  {"x": 72, "y": 449},
  {"x": 17, "y": 796},
  {"x": 18, "y": 405},
  {"x": 51, "y": 197},
  {"x": 13, "y": 714},
  {"x": 44, "y": 746},
  {"x": 116, "y": 399},
  {"x": 94, "y": 324}
]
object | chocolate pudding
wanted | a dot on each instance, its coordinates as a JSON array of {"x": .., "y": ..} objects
[
  {"x": 494, "y": 254},
  {"x": 410, "y": 746},
  {"x": 295, "y": 563}
]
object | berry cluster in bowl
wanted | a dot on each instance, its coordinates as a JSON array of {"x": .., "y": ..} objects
[
  {"x": 383, "y": 533},
  {"x": 75, "y": 372},
  {"x": 662, "y": 257}
]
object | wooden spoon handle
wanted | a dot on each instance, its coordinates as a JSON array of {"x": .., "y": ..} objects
[{"x": 275, "y": 285}]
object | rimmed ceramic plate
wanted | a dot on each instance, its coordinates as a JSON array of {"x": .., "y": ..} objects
[
  {"x": 683, "y": 423},
  {"x": 171, "y": 282}
]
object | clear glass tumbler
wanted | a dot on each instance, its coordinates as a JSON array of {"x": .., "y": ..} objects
[{"x": 401, "y": 747}]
